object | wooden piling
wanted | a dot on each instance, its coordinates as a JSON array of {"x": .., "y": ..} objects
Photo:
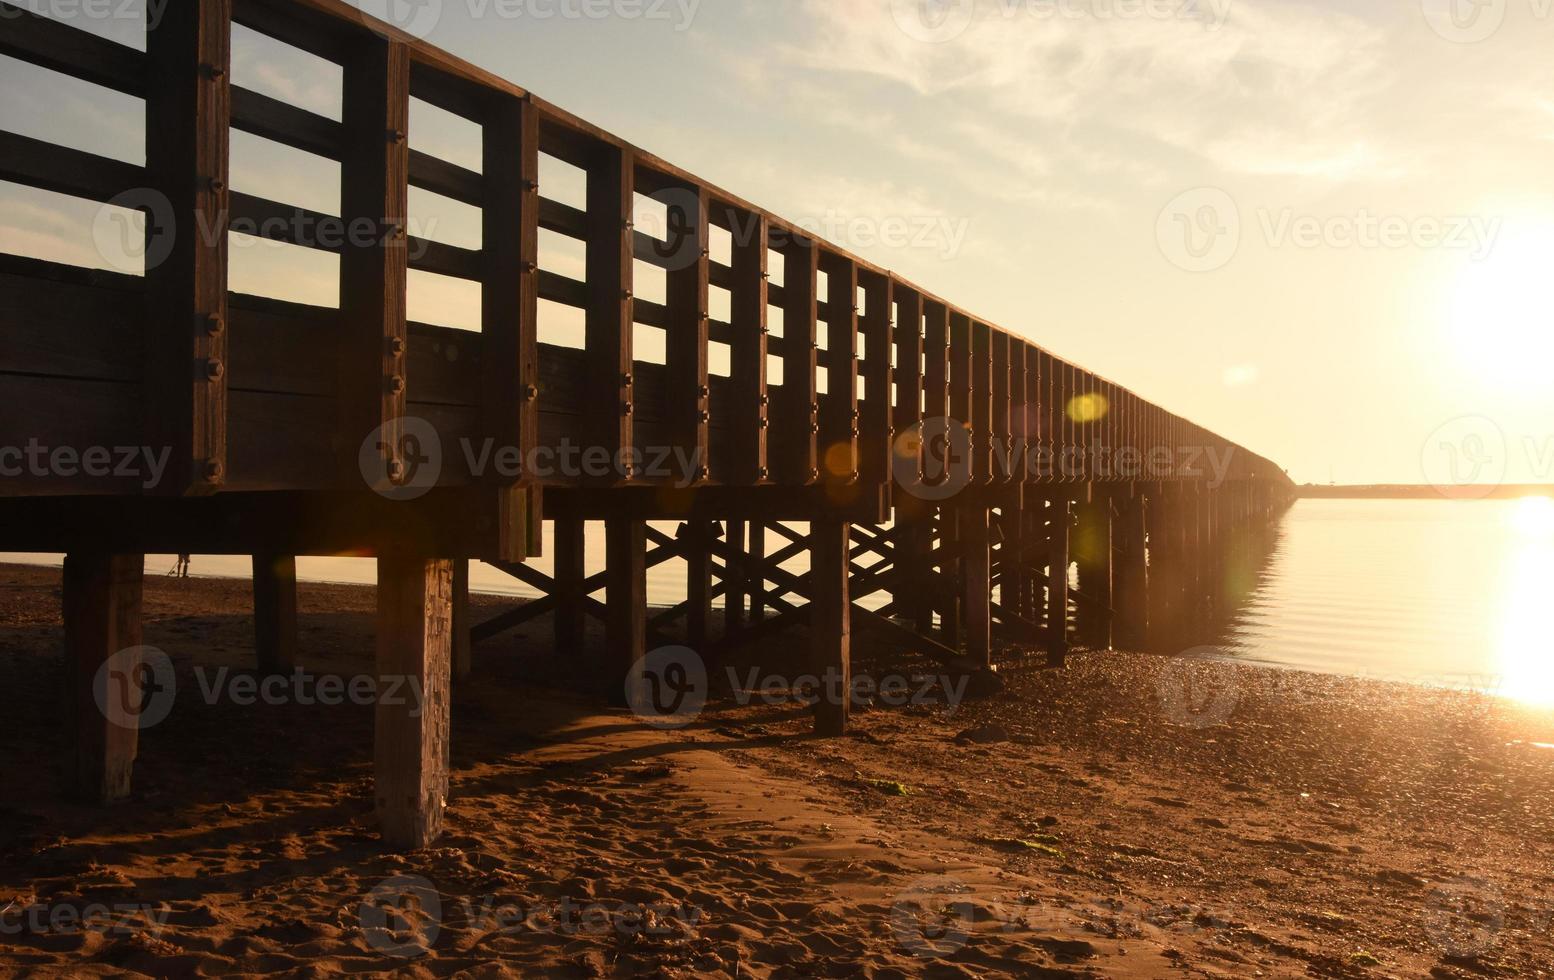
[
  {"x": 736, "y": 592},
  {"x": 275, "y": 614},
  {"x": 830, "y": 629},
  {"x": 698, "y": 579},
  {"x": 978, "y": 596},
  {"x": 1092, "y": 550},
  {"x": 625, "y": 548},
  {"x": 1131, "y": 599},
  {"x": 414, "y": 651},
  {"x": 569, "y": 542},
  {"x": 1060, "y": 520},
  {"x": 102, "y": 599}
]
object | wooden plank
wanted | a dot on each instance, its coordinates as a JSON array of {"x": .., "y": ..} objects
[
  {"x": 686, "y": 289},
  {"x": 626, "y": 595},
  {"x": 747, "y": 354},
  {"x": 102, "y": 602},
  {"x": 188, "y": 114},
  {"x": 414, "y": 651},
  {"x": 838, "y": 419},
  {"x": 275, "y": 614},
  {"x": 36, "y": 163},
  {"x": 795, "y": 423},
  {"x": 830, "y": 627},
  {"x": 608, "y": 314},
  {"x": 259, "y": 114},
  {"x": 509, "y": 296},
  {"x": 53, "y": 44},
  {"x": 373, "y": 381}
]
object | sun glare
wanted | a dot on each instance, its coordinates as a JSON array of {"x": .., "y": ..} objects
[
  {"x": 1526, "y": 626},
  {"x": 1533, "y": 517},
  {"x": 1502, "y": 315}
]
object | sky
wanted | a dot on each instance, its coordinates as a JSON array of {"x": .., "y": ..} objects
[{"x": 1323, "y": 230}]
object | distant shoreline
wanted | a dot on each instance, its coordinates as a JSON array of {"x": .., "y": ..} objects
[{"x": 1405, "y": 491}]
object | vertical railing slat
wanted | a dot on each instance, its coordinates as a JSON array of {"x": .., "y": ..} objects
[
  {"x": 838, "y": 440},
  {"x": 1002, "y": 388},
  {"x": 374, "y": 175},
  {"x": 188, "y": 116},
  {"x": 882, "y": 305},
  {"x": 961, "y": 407},
  {"x": 908, "y": 372},
  {"x": 686, "y": 290},
  {"x": 796, "y": 422},
  {"x": 509, "y": 297},
  {"x": 608, "y": 316},
  {"x": 747, "y": 353}
]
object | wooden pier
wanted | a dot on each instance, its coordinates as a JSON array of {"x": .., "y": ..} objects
[{"x": 912, "y": 451}]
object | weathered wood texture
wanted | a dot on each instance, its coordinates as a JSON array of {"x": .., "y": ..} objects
[
  {"x": 415, "y": 647},
  {"x": 105, "y": 689}
]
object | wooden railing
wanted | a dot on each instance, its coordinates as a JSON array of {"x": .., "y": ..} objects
[{"x": 256, "y": 394}]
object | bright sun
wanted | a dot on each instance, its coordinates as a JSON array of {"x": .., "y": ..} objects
[{"x": 1502, "y": 314}]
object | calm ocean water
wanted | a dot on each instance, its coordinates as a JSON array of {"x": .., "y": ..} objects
[{"x": 1456, "y": 593}]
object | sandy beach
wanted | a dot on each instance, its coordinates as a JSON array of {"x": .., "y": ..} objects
[{"x": 1129, "y": 816}]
